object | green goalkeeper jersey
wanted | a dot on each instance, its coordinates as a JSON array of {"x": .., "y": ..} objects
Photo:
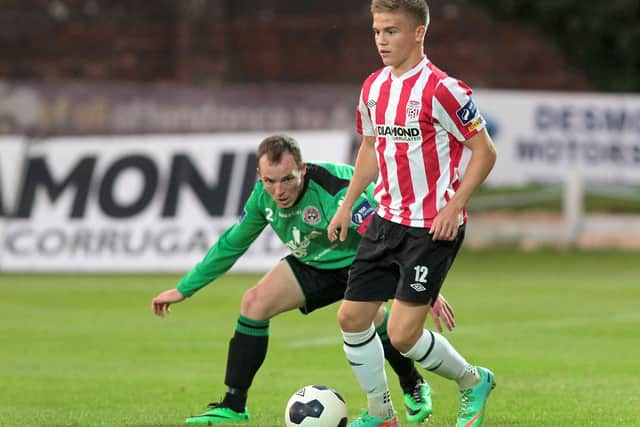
[{"x": 302, "y": 227}]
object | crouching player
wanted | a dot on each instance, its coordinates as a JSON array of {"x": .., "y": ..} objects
[{"x": 297, "y": 200}]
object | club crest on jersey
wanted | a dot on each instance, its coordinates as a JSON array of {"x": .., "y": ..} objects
[
  {"x": 413, "y": 110},
  {"x": 311, "y": 215},
  {"x": 467, "y": 112}
]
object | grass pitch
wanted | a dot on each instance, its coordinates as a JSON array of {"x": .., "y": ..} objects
[{"x": 560, "y": 330}]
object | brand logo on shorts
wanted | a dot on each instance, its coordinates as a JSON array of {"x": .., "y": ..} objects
[{"x": 418, "y": 287}]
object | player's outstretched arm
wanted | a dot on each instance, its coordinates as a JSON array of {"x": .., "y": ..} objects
[
  {"x": 161, "y": 303},
  {"x": 441, "y": 310}
]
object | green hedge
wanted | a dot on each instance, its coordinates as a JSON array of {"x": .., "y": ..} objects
[{"x": 600, "y": 37}]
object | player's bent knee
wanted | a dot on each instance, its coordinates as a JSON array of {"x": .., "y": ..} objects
[
  {"x": 402, "y": 339},
  {"x": 350, "y": 321},
  {"x": 402, "y": 345},
  {"x": 254, "y": 307}
]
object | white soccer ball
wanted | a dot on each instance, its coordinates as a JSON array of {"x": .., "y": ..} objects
[{"x": 316, "y": 406}]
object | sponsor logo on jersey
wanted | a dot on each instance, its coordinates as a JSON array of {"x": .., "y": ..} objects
[
  {"x": 242, "y": 215},
  {"x": 361, "y": 212},
  {"x": 468, "y": 112},
  {"x": 311, "y": 215},
  {"x": 413, "y": 110},
  {"x": 299, "y": 244},
  {"x": 371, "y": 103},
  {"x": 289, "y": 214},
  {"x": 400, "y": 133},
  {"x": 475, "y": 124}
]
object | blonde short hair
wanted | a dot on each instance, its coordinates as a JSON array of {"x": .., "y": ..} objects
[{"x": 418, "y": 9}]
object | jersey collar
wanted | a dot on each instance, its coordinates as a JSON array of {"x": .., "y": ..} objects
[{"x": 412, "y": 72}]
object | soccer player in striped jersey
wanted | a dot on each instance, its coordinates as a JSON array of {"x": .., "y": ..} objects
[
  {"x": 297, "y": 200},
  {"x": 415, "y": 121}
]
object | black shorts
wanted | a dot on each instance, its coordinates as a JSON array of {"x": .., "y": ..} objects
[
  {"x": 395, "y": 261},
  {"x": 320, "y": 287}
]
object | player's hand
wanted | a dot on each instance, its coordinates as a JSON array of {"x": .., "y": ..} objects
[
  {"x": 445, "y": 224},
  {"x": 441, "y": 310},
  {"x": 339, "y": 225},
  {"x": 160, "y": 304}
]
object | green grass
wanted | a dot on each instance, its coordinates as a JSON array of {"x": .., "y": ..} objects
[{"x": 560, "y": 330}]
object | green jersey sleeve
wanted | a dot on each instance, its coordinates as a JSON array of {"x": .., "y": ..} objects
[
  {"x": 364, "y": 206},
  {"x": 228, "y": 248}
]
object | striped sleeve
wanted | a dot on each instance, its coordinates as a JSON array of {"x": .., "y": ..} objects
[
  {"x": 363, "y": 120},
  {"x": 455, "y": 109}
]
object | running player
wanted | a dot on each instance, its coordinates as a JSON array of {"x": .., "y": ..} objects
[{"x": 415, "y": 121}]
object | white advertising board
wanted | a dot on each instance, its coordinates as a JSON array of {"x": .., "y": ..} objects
[
  {"x": 12, "y": 152},
  {"x": 139, "y": 203},
  {"x": 543, "y": 136}
]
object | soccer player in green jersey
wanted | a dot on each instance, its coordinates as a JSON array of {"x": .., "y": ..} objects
[{"x": 297, "y": 200}]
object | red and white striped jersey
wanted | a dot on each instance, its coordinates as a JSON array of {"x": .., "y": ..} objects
[{"x": 420, "y": 121}]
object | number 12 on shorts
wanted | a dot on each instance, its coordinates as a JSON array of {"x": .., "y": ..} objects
[{"x": 421, "y": 273}]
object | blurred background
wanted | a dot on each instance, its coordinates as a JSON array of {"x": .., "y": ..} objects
[
  {"x": 128, "y": 131},
  {"x": 127, "y": 128}
]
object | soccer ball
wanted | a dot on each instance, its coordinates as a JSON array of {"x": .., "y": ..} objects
[{"x": 316, "y": 406}]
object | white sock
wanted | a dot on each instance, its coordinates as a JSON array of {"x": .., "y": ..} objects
[
  {"x": 470, "y": 378},
  {"x": 379, "y": 405},
  {"x": 434, "y": 353},
  {"x": 366, "y": 356}
]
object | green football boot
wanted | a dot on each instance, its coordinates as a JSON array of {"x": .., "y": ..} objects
[
  {"x": 219, "y": 414},
  {"x": 418, "y": 403},
  {"x": 473, "y": 401},
  {"x": 367, "y": 420}
]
